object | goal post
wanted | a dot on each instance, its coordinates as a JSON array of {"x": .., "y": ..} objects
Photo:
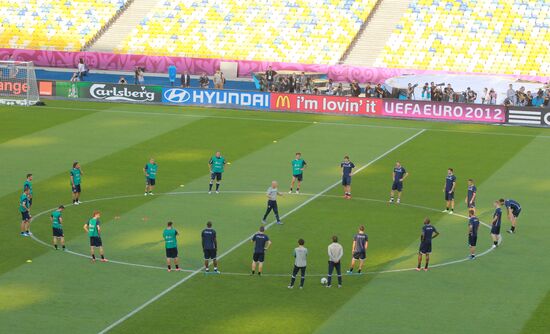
[{"x": 18, "y": 84}]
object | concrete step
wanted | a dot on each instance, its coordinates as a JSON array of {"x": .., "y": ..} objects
[
  {"x": 371, "y": 41},
  {"x": 122, "y": 27}
]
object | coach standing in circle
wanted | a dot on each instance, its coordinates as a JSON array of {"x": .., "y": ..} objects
[{"x": 272, "y": 193}]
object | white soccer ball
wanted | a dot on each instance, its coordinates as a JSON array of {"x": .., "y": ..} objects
[{"x": 324, "y": 281}]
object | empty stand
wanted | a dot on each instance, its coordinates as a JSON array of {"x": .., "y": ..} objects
[
  {"x": 302, "y": 31},
  {"x": 54, "y": 24},
  {"x": 492, "y": 36}
]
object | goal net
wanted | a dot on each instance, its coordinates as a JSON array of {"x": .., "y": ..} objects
[{"x": 18, "y": 83}]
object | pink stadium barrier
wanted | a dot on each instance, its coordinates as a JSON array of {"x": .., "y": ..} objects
[{"x": 159, "y": 64}]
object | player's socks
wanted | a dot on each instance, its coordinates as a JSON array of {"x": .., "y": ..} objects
[
  {"x": 253, "y": 272},
  {"x": 391, "y": 199},
  {"x": 216, "y": 269},
  {"x": 495, "y": 243},
  {"x": 297, "y": 190},
  {"x": 350, "y": 270},
  {"x": 177, "y": 267},
  {"x": 259, "y": 273},
  {"x": 302, "y": 280},
  {"x": 290, "y": 192},
  {"x": 359, "y": 271},
  {"x": 210, "y": 187},
  {"x": 63, "y": 247},
  {"x": 513, "y": 228},
  {"x": 169, "y": 267},
  {"x": 56, "y": 247},
  {"x": 93, "y": 257},
  {"x": 217, "y": 187}
]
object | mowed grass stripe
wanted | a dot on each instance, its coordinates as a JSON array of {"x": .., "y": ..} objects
[
  {"x": 22, "y": 121},
  {"x": 48, "y": 152},
  {"x": 487, "y": 286}
]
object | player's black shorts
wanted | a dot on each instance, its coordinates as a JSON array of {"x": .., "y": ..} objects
[
  {"x": 258, "y": 257},
  {"x": 472, "y": 240},
  {"x": 210, "y": 254},
  {"x": 425, "y": 248},
  {"x": 150, "y": 182},
  {"x": 346, "y": 180},
  {"x": 516, "y": 213},
  {"x": 299, "y": 177},
  {"x": 495, "y": 230},
  {"x": 77, "y": 189},
  {"x": 171, "y": 253},
  {"x": 25, "y": 215},
  {"x": 397, "y": 185},
  {"x": 216, "y": 176},
  {"x": 57, "y": 232},
  {"x": 449, "y": 197},
  {"x": 95, "y": 242},
  {"x": 360, "y": 255}
]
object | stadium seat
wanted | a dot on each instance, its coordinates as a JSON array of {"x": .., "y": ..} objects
[
  {"x": 303, "y": 31},
  {"x": 497, "y": 36},
  {"x": 54, "y": 24}
]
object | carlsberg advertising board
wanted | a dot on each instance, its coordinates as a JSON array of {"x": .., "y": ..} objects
[{"x": 109, "y": 92}]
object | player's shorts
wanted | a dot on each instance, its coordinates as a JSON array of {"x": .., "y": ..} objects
[
  {"x": 360, "y": 255},
  {"x": 25, "y": 215},
  {"x": 298, "y": 177},
  {"x": 210, "y": 254},
  {"x": 471, "y": 205},
  {"x": 472, "y": 240},
  {"x": 216, "y": 176},
  {"x": 346, "y": 180},
  {"x": 57, "y": 232},
  {"x": 171, "y": 253},
  {"x": 495, "y": 230},
  {"x": 77, "y": 189},
  {"x": 516, "y": 213},
  {"x": 425, "y": 248},
  {"x": 449, "y": 197},
  {"x": 95, "y": 242},
  {"x": 150, "y": 182},
  {"x": 397, "y": 185},
  {"x": 258, "y": 257}
]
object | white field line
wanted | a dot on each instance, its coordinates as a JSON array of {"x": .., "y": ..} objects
[
  {"x": 194, "y": 273},
  {"x": 267, "y": 274},
  {"x": 304, "y": 122}
]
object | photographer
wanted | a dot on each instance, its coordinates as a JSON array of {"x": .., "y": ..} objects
[
  {"x": 270, "y": 77},
  {"x": 379, "y": 91},
  {"x": 448, "y": 93},
  {"x": 471, "y": 96},
  {"x": 410, "y": 91},
  {"x": 355, "y": 89},
  {"x": 204, "y": 81}
]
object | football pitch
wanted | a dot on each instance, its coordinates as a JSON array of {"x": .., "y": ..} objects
[{"x": 505, "y": 290}]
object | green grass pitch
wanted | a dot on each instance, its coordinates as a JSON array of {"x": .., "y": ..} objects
[{"x": 503, "y": 291}]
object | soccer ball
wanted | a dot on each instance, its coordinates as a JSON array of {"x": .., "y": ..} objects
[{"x": 324, "y": 281}]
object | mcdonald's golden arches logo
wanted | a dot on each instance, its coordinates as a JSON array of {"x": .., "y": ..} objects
[{"x": 283, "y": 101}]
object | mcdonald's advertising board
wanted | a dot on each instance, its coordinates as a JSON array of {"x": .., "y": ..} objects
[{"x": 326, "y": 104}]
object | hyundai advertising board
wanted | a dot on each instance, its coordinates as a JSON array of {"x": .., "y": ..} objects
[{"x": 211, "y": 97}]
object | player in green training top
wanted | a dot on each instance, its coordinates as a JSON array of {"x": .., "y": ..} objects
[
  {"x": 171, "y": 242},
  {"x": 76, "y": 178},
  {"x": 57, "y": 227},
  {"x": 25, "y": 213},
  {"x": 216, "y": 165},
  {"x": 28, "y": 184},
  {"x": 150, "y": 171},
  {"x": 94, "y": 232},
  {"x": 298, "y": 166}
]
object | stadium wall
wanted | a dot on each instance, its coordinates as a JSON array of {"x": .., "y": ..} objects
[
  {"x": 159, "y": 64},
  {"x": 301, "y": 103}
]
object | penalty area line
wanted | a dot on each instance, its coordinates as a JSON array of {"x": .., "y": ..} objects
[{"x": 199, "y": 270}]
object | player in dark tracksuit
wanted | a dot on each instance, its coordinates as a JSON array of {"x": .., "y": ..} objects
[
  {"x": 428, "y": 233},
  {"x": 261, "y": 244},
  {"x": 399, "y": 175},
  {"x": 209, "y": 247},
  {"x": 449, "y": 190},
  {"x": 472, "y": 195},
  {"x": 473, "y": 227},
  {"x": 513, "y": 209},
  {"x": 495, "y": 225},
  {"x": 347, "y": 171}
]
